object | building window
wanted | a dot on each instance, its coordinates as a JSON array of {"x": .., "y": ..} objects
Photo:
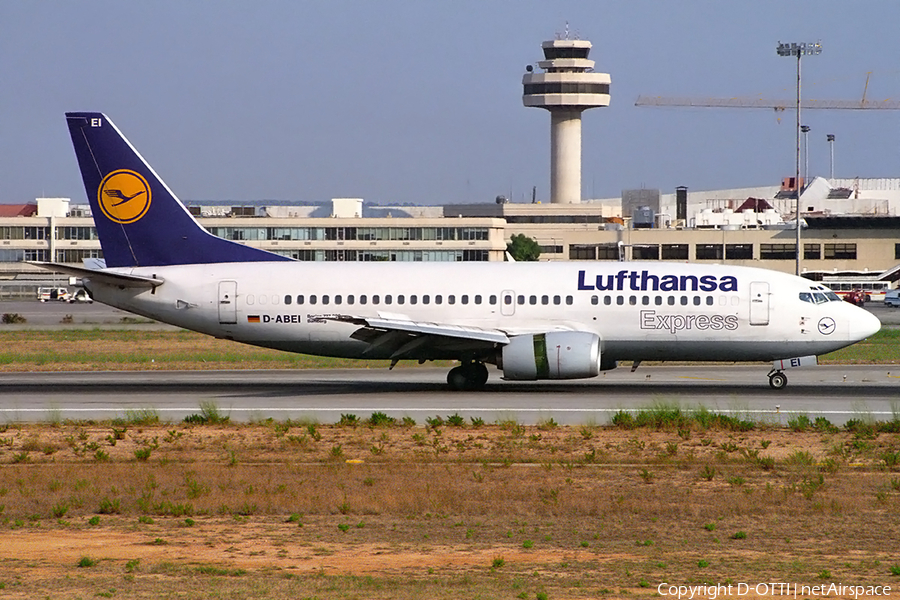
[
  {"x": 607, "y": 252},
  {"x": 708, "y": 251},
  {"x": 739, "y": 251},
  {"x": 674, "y": 251},
  {"x": 840, "y": 251},
  {"x": 777, "y": 251},
  {"x": 579, "y": 252},
  {"x": 645, "y": 252},
  {"x": 812, "y": 251}
]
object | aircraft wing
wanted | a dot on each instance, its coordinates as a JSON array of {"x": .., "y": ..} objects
[
  {"x": 104, "y": 277},
  {"x": 405, "y": 338}
]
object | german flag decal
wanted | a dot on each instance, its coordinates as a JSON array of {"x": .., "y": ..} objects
[{"x": 253, "y": 318}]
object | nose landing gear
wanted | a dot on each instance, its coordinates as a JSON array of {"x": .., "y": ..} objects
[
  {"x": 777, "y": 379},
  {"x": 467, "y": 377}
]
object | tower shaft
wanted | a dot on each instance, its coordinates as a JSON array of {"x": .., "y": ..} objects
[{"x": 565, "y": 156}]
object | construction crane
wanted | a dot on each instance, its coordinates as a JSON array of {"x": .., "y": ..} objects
[{"x": 778, "y": 105}]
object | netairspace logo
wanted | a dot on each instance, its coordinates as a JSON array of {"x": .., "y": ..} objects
[{"x": 791, "y": 590}]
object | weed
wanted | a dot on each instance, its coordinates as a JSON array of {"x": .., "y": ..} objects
[
  {"x": 59, "y": 510},
  {"x": 189, "y": 522},
  {"x": 799, "y": 423},
  {"x": 824, "y": 574},
  {"x": 86, "y": 562},
  {"x": 765, "y": 443},
  {"x": 101, "y": 456},
  {"x": 455, "y": 420},
  {"x": 21, "y": 457},
  {"x": 379, "y": 419},
  {"x": 143, "y": 416},
  {"x": 498, "y": 562},
  {"x": 702, "y": 563},
  {"x": 895, "y": 570},
  {"x": 94, "y": 521},
  {"x": 142, "y": 454},
  {"x": 132, "y": 565},
  {"x": 13, "y": 319},
  {"x": 891, "y": 459},
  {"x": 434, "y": 422},
  {"x": 145, "y": 520},
  {"x": 109, "y": 507},
  {"x": 767, "y": 463},
  {"x": 823, "y": 425},
  {"x": 344, "y": 527},
  {"x": 740, "y": 535},
  {"x": 477, "y": 422},
  {"x": 708, "y": 472},
  {"x": 646, "y": 476},
  {"x": 735, "y": 481},
  {"x": 337, "y": 451},
  {"x": 671, "y": 448},
  {"x": 710, "y": 527},
  {"x": 547, "y": 424},
  {"x": 348, "y": 420},
  {"x": 528, "y": 544}
]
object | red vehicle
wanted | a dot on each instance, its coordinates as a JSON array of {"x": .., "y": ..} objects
[{"x": 856, "y": 296}]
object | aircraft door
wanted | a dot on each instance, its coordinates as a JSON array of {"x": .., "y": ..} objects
[
  {"x": 759, "y": 303},
  {"x": 227, "y": 302},
  {"x": 508, "y": 303}
]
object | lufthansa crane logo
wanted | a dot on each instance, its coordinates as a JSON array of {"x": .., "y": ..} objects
[
  {"x": 826, "y": 325},
  {"x": 124, "y": 196}
]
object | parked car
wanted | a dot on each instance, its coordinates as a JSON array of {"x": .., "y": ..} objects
[
  {"x": 892, "y": 298},
  {"x": 51, "y": 293},
  {"x": 81, "y": 295}
]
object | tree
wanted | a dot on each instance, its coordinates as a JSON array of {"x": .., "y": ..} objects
[{"x": 523, "y": 248}]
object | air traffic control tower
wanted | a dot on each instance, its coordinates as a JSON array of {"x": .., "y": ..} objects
[{"x": 567, "y": 87}]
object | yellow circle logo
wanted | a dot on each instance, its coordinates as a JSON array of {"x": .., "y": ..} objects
[{"x": 124, "y": 196}]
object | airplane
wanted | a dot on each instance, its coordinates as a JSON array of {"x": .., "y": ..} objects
[{"x": 532, "y": 321}]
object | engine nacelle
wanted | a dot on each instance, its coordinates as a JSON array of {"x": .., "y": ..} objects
[{"x": 553, "y": 355}]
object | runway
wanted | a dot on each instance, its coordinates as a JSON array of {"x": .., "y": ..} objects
[{"x": 836, "y": 392}]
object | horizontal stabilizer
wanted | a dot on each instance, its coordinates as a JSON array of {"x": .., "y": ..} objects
[{"x": 103, "y": 277}]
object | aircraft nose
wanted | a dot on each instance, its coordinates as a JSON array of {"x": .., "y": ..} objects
[{"x": 863, "y": 324}]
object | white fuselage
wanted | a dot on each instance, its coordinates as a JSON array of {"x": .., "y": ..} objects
[{"x": 640, "y": 311}]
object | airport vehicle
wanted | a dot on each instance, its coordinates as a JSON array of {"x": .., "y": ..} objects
[
  {"x": 892, "y": 298},
  {"x": 872, "y": 290},
  {"x": 47, "y": 294},
  {"x": 532, "y": 320},
  {"x": 80, "y": 295}
]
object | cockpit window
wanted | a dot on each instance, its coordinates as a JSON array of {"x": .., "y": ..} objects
[
  {"x": 806, "y": 297},
  {"x": 833, "y": 297},
  {"x": 820, "y": 298}
]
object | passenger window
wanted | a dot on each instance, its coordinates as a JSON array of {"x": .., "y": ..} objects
[
  {"x": 300, "y": 299},
  {"x": 620, "y": 300},
  {"x": 556, "y": 299},
  {"x": 276, "y": 300},
  {"x": 413, "y": 299},
  {"x": 388, "y": 299},
  {"x": 337, "y": 299},
  {"x": 262, "y": 299},
  {"x": 696, "y": 300},
  {"x": 569, "y": 300},
  {"x": 645, "y": 300},
  {"x": 250, "y": 299},
  {"x": 363, "y": 299},
  {"x": 532, "y": 300},
  {"x": 671, "y": 300},
  {"x": 350, "y": 299},
  {"x": 492, "y": 300},
  {"x": 607, "y": 300},
  {"x": 438, "y": 299},
  {"x": 594, "y": 300},
  {"x": 684, "y": 300},
  {"x": 632, "y": 300},
  {"x": 325, "y": 299},
  {"x": 545, "y": 299},
  {"x": 521, "y": 300},
  {"x": 451, "y": 299},
  {"x": 507, "y": 299},
  {"x": 287, "y": 299},
  {"x": 426, "y": 299},
  {"x": 709, "y": 300},
  {"x": 658, "y": 300},
  {"x": 723, "y": 300},
  {"x": 735, "y": 301},
  {"x": 464, "y": 299},
  {"x": 477, "y": 298},
  {"x": 376, "y": 299},
  {"x": 401, "y": 299}
]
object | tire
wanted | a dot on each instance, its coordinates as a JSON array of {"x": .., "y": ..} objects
[
  {"x": 777, "y": 381},
  {"x": 457, "y": 379}
]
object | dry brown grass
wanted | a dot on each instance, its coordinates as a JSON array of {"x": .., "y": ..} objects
[{"x": 273, "y": 510}]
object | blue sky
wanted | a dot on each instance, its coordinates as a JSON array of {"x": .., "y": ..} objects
[{"x": 421, "y": 101}]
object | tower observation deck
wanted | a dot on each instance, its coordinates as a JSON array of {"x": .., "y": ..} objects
[{"x": 567, "y": 87}]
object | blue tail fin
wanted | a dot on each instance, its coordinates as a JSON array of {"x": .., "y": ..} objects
[{"x": 140, "y": 222}]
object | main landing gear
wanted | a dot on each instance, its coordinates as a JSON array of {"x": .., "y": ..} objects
[
  {"x": 777, "y": 379},
  {"x": 467, "y": 377}
]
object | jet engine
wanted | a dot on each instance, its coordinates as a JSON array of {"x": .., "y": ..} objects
[{"x": 552, "y": 355}]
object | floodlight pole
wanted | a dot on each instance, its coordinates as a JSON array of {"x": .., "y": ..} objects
[
  {"x": 830, "y": 138},
  {"x": 798, "y": 50}
]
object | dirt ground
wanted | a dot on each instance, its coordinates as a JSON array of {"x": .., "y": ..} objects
[{"x": 302, "y": 510}]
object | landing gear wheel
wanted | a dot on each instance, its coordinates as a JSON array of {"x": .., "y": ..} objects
[
  {"x": 777, "y": 380},
  {"x": 467, "y": 377}
]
